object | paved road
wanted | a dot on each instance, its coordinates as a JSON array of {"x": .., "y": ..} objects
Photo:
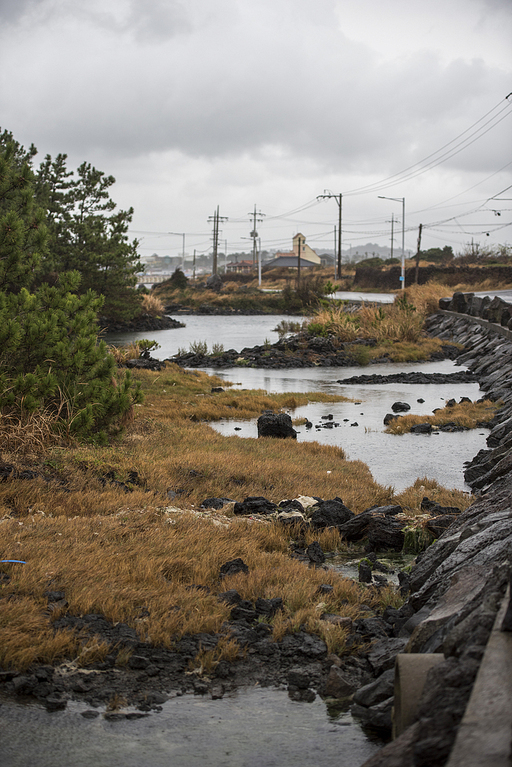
[{"x": 506, "y": 295}]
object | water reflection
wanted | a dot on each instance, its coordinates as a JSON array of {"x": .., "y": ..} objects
[
  {"x": 232, "y": 332},
  {"x": 396, "y": 461},
  {"x": 393, "y": 460}
]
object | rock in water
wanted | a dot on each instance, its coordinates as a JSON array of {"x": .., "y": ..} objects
[{"x": 276, "y": 425}]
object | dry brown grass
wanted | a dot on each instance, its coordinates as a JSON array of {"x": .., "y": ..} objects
[
  {"x": 389, "y": 322},
  {"x": 426, "y": 297},
  {"x": 465, "y": 414},
  {"x": 410, "y": 499},
  {"x": 126, "y": 352},
  {"x": 152, "y": 305},
  {"x": 206, "y": 661},
  {"x": 29, "y": 434},
  {"x": 126, "y": 554},
  {"x": 489, "y": 283},
  {"x": 26, "y": 635},
  {"x": 142, "y": 568}
]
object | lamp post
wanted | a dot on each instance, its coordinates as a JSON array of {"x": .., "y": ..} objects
[
  {"x": 181, "y": 234},
  {"x": 402, "y": 200}
]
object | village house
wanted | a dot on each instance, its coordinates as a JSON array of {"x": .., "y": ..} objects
[
  {"x": 308, "y": 257},
  {"x": 240, "y": 267}
]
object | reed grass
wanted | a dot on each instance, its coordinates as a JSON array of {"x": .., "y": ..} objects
[
  {"x": 395, "y": 322},
  {"x": 426, "y": 297},
  {"x": 152, "y": 305}
]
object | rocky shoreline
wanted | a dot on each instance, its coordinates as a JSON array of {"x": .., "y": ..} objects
[
  {"x": 458, "y": 583},
  {"x": 142, "y": 324},
  {"x": 298, "y": 351},
  {"x": 454, "y": 591}
]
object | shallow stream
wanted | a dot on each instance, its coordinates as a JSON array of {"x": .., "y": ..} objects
[
  {"x": 256, "y": 727},
  {"x": 393, "y": 460},
  {"x": 259, "y": 727}
]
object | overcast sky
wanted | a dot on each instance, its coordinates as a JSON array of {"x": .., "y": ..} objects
[{"x": 192, "y": 104}]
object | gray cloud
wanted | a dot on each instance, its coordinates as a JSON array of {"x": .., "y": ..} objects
[
  {"x": 257, "y": 89},
  {"x": 11, "y": 11}
]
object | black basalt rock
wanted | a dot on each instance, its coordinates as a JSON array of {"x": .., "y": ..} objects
[
  {"x": 400, "y": 407},
  {"x": 233, "y": 567},
  {"x": 254, "y": 505},
  {"x": 330, "y": 514},
  {"x": 277, "y": 425}
]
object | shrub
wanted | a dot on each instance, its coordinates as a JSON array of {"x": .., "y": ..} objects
[
  {"x": 152, "y": 305},
  {"x": 199, "y": 347},
  {"x": 285, "y": 327},
  {"x": 50, "y": 358},
  {"x": 178, "y": 279}
]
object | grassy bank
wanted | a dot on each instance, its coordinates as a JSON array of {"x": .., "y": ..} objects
[
  {"x": 118, "y": 529},
  {"x": 467, "y": 415}
]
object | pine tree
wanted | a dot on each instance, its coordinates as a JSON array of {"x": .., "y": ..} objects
[
  {"x": 89, "y": 235},
  {"x": 50, "y": 358},
  {"x": 23, "y": 232}
]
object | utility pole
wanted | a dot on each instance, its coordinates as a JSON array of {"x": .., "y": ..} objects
[
  {"x": 194, "y": 264},
  {"x": 257, "y": 217},
  {"x": 216, "y": 219},
  {"x": 298, "y": 264},
  {"x": 335, "y": 241},
  {"x": 339, "y": 200},
  {"x": 392, "y": 224},
  {"x": 402, "y": 271},
  {"x": 418, "y": 253},
  {"x": 259, "y": 262}
]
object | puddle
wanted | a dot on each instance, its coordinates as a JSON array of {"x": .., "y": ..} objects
[{"x": 347, "y": 564}]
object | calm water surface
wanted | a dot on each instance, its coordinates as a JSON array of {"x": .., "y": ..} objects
[
  {"x": 255, "y": 728},
  {"x": 393, "y": 460},
  {"x": 232, "y": 332}
]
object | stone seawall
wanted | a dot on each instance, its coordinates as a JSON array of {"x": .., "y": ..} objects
[
  {"x": 495, "y": 310},
  {"x": 457, "y": 585}
]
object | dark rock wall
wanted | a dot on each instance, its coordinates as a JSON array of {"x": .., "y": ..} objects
[
  {"x": 371, "y": 278},
  {"x": 458, "y": 583}
]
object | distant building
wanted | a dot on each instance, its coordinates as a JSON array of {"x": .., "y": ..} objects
[
  {"x": 308, "y": 256},
  {"x": 240, "y": 267},
  {"x": 327, "y": 260}
]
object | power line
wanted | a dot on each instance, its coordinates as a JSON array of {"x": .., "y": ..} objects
[
  {"x": 405, "y": 175},
  {"x": 482, "y": 181}
]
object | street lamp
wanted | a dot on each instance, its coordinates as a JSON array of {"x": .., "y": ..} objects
[
  {"x": 402, "y": 200},
  {"x": 181, "y": 234}
]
